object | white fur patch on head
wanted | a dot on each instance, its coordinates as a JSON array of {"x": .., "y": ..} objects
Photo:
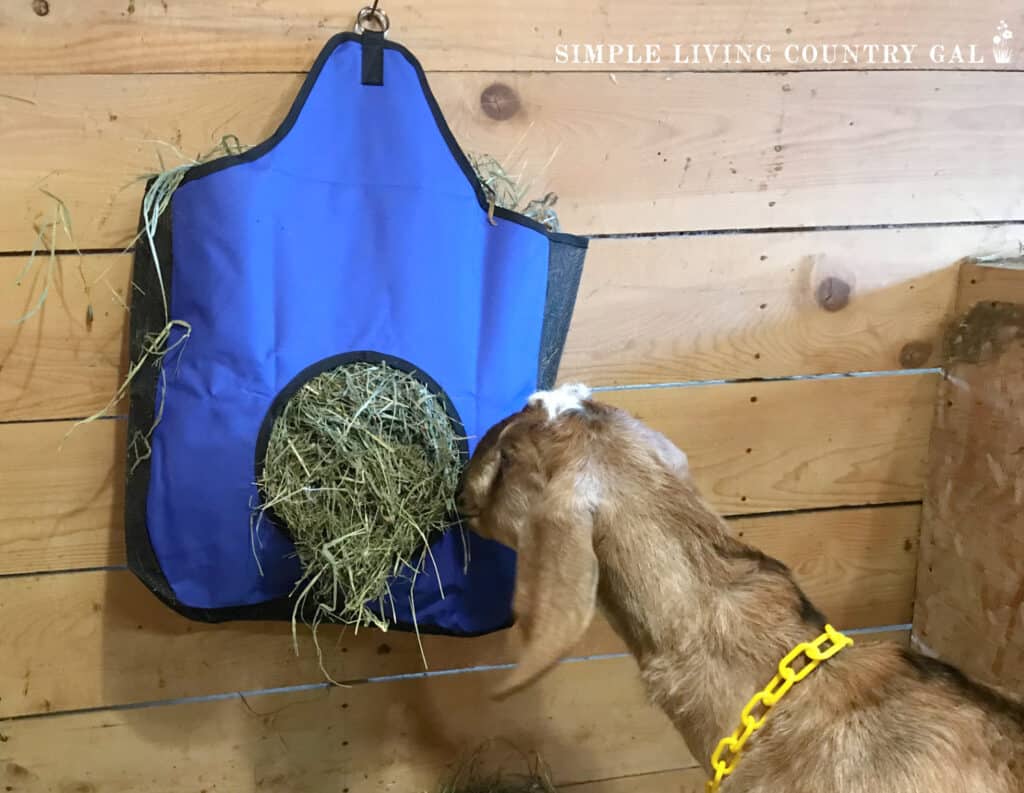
[{"x": 565, "y": 399}]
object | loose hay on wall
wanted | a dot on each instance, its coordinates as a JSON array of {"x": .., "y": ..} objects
[
  {"x": 361, "y": 468},
  {"x": 507, "y": 191}
]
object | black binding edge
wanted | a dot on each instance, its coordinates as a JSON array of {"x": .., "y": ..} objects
[
  {"x": 333, "y": 362},
  {"x": 213, "y": 166},
  {"x": 147, "y": 318}
]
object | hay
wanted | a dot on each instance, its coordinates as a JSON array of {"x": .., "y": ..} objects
[
  {"x": 175, "y": 334},
  {"x": 505, "y": 190},
  {"x": 361, "y": 468},
  {"x": 47, "y": 235},
  {"x": 476, "y": 776}
]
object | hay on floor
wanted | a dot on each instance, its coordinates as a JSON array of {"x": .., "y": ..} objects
[
  {"x": 361, "y": 469},
  {"x": 500, "y": 783},
  {"x": 477, "y": 774}
]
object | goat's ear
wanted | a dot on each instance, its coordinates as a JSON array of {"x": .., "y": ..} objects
[{"x": 556, "y": 590}]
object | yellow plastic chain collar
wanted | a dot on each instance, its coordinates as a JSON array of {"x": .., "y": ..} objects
[{"x": 821, "y": 649}]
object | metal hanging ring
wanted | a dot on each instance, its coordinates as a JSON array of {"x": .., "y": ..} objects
[{"x": 376, "y": 16}]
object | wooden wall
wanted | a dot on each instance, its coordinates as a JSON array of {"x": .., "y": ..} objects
[
  {"x": 758, "y": 237},
  {"x": 969, "y": 607}
]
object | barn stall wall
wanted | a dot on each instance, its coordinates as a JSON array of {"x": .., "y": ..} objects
[
  {"x": 840, "y": 201},
  {"x": 969, "y": 606}
]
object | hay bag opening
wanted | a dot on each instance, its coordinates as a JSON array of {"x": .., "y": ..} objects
[
  {"x": 360, "y": 467},
  {"x": 357, "y": 233}
]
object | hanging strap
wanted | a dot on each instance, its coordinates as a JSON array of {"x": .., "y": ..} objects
[{"x": 373, "y": 57}]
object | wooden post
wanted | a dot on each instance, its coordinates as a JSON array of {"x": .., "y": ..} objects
[{"x": 970, "y": 591}]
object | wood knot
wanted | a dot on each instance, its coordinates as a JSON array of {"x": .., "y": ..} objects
[
  {"x": 915, "y": 354},
  {"x": 833, "y": 294},
  {"x": 384, "y": 649},
  {"x": 500, "y": 101},
  {"x": 41, "y": 7}
]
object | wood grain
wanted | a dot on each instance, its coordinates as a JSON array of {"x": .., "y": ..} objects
[
  {"x": 62, "y": 497},
  {"x": 62, "y": 362},
  {"x": 749, "y": 305},
  {"x": 970, "y": 598},
  {"x": 997, "y": 279},
  {"x": 588, "y": 720},
  {"x": 643, "y": 153},
  {"x": 277, "y": 35},
  {"x": 98, "y": 639},
  {"x": 775, "y": 446},
  {"x": 689, "y": 780},
  {"x": 664, "y": 309},
  {"x": 759, "y": 447}
]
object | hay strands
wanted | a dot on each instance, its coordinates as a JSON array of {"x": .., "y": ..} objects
[
  {"x": 505, "y": 190},
  {"x": 477, "y": 773},
  {"x": 361, "y": 467},
  {"x": 175, "y": 333},
  {"x": 47, "y": 235}
]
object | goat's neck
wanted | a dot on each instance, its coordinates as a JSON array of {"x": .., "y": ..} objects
[{"x": 706, "y": 617}]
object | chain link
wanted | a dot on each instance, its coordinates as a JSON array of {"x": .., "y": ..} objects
[{"x": 830, "y": 643}]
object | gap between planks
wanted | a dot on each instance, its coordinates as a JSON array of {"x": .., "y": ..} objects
[
  {"x": 191, "y": 36},
  {"x": 654, "y": 311},
  {"x": 755, "y": 448},
  {"x": 87, "y": 640},
  {"x": 779, "y": 150}
]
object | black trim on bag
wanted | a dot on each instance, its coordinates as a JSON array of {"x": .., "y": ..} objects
[
  {"x": 565, "y": 269},
  {"x": 566, "y": 252},
  {"x": 213, "y": 166},
  {"x": 146, "y": 318},
  {"x": 334, "y": 362}
]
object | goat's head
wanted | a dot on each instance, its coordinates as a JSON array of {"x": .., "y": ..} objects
[{"x": 537, "y": 482}]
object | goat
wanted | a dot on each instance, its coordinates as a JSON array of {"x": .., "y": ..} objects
[{"x": 603, "y": 512}]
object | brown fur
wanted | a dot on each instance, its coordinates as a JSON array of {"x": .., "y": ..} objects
[{"x": 602, "y": 511}]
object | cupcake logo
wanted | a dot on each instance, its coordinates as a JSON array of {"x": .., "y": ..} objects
[{"x": 1002, "y": 43}]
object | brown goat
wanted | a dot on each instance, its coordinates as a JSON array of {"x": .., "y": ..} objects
[{"x": 602, "y": 511}]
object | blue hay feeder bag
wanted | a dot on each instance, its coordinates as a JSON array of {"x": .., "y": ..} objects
[{"x": 358, "y": 231}]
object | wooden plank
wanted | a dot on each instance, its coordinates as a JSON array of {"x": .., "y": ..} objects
[
  {"x": 190, "y": 36},
  {"x": 835, "y": 553},
  {"x": 795, "y": 444},
  {"x": 689, "y": 780},
  {"x": 61, "y": 361},
  {"x": 62, "y": 498},
  {"x": 664, "y": 309},
  {"x": 754, "y": 305},
  {"x": 589, "y": 720},
  {"x": 970, "y": 599},
  {"x": 1000, "y": 279},
  {"x": 97, "y": 639},
  {"x": 643, "y": 153},
  {"x": 760, "y": 447}
]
